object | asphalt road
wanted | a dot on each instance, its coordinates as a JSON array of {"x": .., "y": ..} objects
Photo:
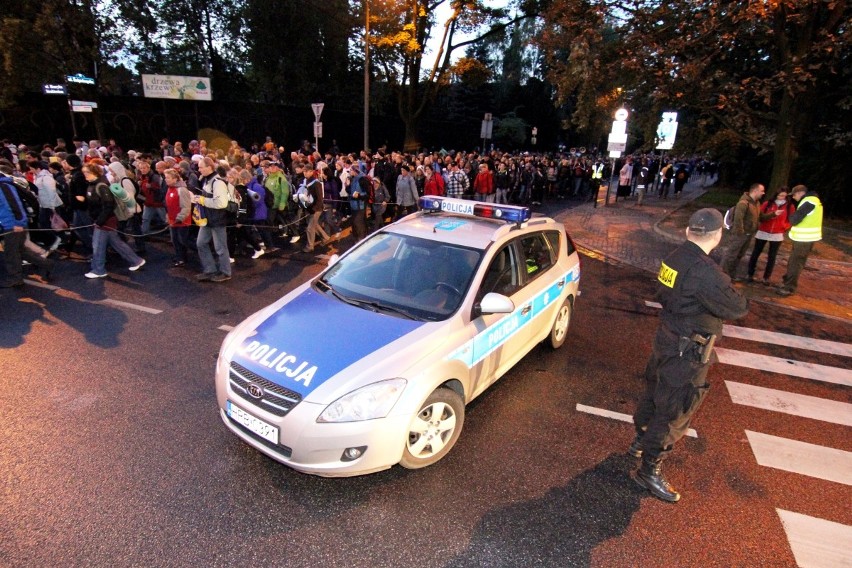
[{"x": 113, "y": 453}]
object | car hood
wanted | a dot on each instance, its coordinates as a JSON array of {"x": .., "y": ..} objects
[{"x": 313, "y": 337}]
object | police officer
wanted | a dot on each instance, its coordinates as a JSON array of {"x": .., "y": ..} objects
[{"x": 696, "y": 296}]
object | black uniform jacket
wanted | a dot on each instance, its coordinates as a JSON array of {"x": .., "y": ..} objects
[{"x": 696, "y": 295}]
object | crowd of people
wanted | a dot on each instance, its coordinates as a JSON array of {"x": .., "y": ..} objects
[{"x": 218, "y": 203}]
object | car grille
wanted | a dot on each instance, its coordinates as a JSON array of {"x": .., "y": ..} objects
[
  {"x": 276, "y": 399},
  {"x": 278, "y": 449}
]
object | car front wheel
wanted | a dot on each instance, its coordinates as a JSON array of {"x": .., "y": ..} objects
[
  {"x": 434, "y": 430},
  {"x": 560, "y": 325}
]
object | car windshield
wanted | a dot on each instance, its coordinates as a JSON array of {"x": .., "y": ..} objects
[{"x": 404, "y": 276}]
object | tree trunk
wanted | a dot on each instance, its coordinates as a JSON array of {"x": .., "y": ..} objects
[
  {"x": 786, "y": 143},
  {"x": 411, "y": 142}
]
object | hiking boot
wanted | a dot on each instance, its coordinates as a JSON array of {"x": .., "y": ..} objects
[{"x": 651, "y": 478}]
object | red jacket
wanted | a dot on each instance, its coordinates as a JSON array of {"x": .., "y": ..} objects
[
  {"x": 434, "y": 185},
  {"x": 771, "y": 223},
  {"x": 484, "y": 183}
]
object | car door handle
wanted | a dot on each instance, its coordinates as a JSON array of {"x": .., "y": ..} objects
[
  {"x": 526, "y": 309},
  {"x": 561, "y": 283}
]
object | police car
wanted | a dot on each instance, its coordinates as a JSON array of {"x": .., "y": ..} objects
[{"x": 371, "y": 363}]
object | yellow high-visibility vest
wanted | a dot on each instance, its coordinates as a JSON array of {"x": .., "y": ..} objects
[
  {"x": 597, "y": 171},
  {"x": 810, "y": 228}
]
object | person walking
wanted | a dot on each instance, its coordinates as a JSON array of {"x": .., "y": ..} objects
[
  {"x": 101, "y": 204},
  {"x": 805, "y": 230},
  {"x": 774, "y": 222},
  {"x": 212, "y": 205},
  {"x": 13, "y": 229},
  {"x": 696, "y": 297}
]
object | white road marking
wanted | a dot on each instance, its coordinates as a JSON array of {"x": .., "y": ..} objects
[
  {"x": 37, "y": 284},
  {"x": 657, "y": 305},
  {"x": 226, "y": 327},
  {"x": 817, "y": 543},
  {"x": 121, "y": 304},
  {"x": 795, "y": 341},
  {"x": 791, "y": 403},
  {"x": 619, "y": 416},
  {"x": 802, "y": 458},
  {"x": 811, "y": 371}
]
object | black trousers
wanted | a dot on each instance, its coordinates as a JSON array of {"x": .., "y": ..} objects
[
  {"x": 770, "y": 260},
  {"x": 14, "y": 252},
  {"x": 675, "y": 387}
]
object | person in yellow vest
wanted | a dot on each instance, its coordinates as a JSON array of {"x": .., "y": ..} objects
[{"x": 806, "y": 229}]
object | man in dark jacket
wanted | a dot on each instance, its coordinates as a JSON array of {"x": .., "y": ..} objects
[
  {"x": 746, "y": 220},
  {"x": 696, "y": 296}
]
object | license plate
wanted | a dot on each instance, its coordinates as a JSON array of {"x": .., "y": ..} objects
[{"x": 263, "y": 429}]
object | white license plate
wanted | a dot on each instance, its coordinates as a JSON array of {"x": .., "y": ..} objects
[{"x": 256, "y": 425}]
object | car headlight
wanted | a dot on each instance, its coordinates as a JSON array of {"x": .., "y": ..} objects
[{"x": 366, "y": 403}]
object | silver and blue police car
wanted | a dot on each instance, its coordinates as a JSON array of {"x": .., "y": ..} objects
[{"x": 371, "y": 363}]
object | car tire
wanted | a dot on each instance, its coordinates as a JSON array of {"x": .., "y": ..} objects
[
  {"x": 434, "y": 430},
  {"x": 559, "y": 331}
]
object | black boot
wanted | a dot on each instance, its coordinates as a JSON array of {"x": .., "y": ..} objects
[
  {"x": 650, "y": 477},
  {"x": 635, "y": 448}
]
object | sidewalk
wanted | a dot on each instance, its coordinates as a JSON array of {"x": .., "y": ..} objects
[{"x": 642, "y": 236}]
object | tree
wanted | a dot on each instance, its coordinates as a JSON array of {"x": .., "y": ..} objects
[
  {"x": 399, "y": 33},
  {"x": 752, "y": 69}
]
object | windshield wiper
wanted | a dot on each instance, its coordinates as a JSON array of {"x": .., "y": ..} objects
[
  {"x": 386, "y": 308},
  {"x": 322, "y": 284},
  {"x": 375, "y": 306}
]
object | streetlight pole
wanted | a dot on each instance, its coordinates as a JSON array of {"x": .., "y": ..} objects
[{"x": 367, "y": 75}]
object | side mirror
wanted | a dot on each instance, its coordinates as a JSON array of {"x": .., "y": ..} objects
[
  {"x": 333, "y": 259},
  {"x": 494, "y": 303}
]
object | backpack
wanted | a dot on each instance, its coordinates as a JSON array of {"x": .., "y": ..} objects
[
  {"x": 125, "y": 204},
  {"x": 303, "y": 197},
  {"x": 728, "y": 221}
]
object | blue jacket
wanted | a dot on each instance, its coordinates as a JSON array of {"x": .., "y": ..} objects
[{"x": 12, "y": 211}]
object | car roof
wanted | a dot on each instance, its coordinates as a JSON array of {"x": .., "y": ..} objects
[{"x": 462, "y": 230}]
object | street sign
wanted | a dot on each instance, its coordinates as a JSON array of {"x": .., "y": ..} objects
[
  {"x": 317, "y": 110},
  {"x": 54, "y": 89},
  {"x": 534, "y": 131},
  {"x": 84, "y": 103},
  {"x": 487, "y": 129},
  {"x": 615, "y": 153},
  {"x": 81, "y": 108},
  {"x": 621, "y": 114},
  {"x": 318, "y": 130},
  {"x": 80, "y": 78}
]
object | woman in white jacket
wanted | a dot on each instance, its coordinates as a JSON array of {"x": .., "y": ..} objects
[{"x": 48, "y": 202}]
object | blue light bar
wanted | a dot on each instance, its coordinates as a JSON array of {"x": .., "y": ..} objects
[{"x": 509, "y": 213}]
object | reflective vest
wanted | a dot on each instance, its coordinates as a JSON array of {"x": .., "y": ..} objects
[
  {"x": 810, "y": 228},
  {"x": 597, "y": 171}
]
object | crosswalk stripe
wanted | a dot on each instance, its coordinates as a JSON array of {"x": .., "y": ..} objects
[
  {"x": 795, "y": 341},
  {"x": 791, "y": 403},
  {"x": 226, "y": 327},
  {"x": 802, "y": 458},
  {"x": 817, "y": 543},
  {"x": 811, "y": 371},
  {"x": 619, "y": 416}
]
